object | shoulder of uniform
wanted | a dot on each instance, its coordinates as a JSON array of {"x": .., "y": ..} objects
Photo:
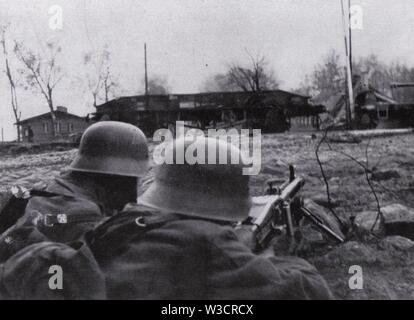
[
  {"x": 136, "y": 207},
  {"x": 189, "y": 227},
  {"x": 205, "y": 229}
]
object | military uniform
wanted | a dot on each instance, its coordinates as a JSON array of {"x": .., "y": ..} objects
[
  {"x": 80, "y": 207},
  {"x": 111, "y": 156},
  {"x": 114, "y": 150},
  {"x": 197, "y": 254},
  {"x": 39, "y": 239},
  {"x": 199, "y": 259}
]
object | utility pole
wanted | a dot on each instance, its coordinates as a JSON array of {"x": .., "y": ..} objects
[
  {"x": 350, "y": 35},
  {"x": 146, "y": 74},
  {"x": 350, "y": 92}
]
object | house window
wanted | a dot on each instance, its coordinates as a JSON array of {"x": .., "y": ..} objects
[
  {"x": 26, "y": 132},
  {"x": 57, "y": 126},
  {"x": 45, "y": 127},
  {"x": 383, "y": 112},
  {"x": 70, "y": 127}
]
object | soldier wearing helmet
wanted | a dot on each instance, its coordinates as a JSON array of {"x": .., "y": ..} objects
[
  {"x": 101, "y": 180},
  {"x": 195, "y": 253}
]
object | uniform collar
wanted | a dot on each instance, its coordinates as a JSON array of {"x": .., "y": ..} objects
[{"x": 88, "y": 191}]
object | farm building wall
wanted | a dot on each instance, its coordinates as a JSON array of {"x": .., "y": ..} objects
[
  {"x": 304, "y": 123},
  {"x": 66, "y": 126}
]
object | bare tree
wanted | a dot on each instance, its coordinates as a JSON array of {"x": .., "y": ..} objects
[
  {"x": 99, "y": 77},
  {"x": 108, "y": 84},
  {"x": 12, "y": 81},
  {"x": 380, "y": 75},
  {"x": 42, "y": 72},
  {"x": 327, "y": 77},
  {"x": 256, "y": 76}
]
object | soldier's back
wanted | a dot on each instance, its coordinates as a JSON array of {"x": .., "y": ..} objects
[{"x": 200, "y": 259}]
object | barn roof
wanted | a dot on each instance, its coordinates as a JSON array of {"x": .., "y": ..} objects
[
  {"x": 125, "y": 101},
  {"x": 58, "y": 113},
  {"x": 211, "y": 93}
]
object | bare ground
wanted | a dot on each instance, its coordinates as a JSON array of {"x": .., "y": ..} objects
[{"x": 388, "y": 271}]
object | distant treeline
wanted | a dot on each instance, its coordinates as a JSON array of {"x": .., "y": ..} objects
[{"x": 328, "y": 76}]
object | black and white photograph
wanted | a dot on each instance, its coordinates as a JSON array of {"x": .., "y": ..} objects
[{"x": 206, "y": 150}]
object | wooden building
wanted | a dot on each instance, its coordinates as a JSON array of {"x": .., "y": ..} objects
[
  {"x": 271, "y": 111},
  {"x": 39, "y": 128},
  {"x": 373, "y": 108}
]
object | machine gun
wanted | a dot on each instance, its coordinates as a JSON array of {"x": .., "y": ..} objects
[{"x": 279, "y": 209}]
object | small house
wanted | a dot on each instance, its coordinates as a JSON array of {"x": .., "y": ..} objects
[{"x": 39, "y": 128}]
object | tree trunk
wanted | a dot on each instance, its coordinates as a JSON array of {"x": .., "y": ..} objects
[
  {"x": 13, "y": 95},
  {"x": 107, "y": 87},
  {"x": 18, "y": 133},
  {"x": 94, "y": 94},
  {"x": 52, "y": 113}
]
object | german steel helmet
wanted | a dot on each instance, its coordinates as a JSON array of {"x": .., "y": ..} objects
[
  {"x": 112, "y": 147},
  {"x": 217, "y": 191}
]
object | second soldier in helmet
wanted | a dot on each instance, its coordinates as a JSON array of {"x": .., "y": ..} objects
[{"x": 196, "y": 253}]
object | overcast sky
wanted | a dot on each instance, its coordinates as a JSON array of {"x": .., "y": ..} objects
[{"x": 188, "y": 40}]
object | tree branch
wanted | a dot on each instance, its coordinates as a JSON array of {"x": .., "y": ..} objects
[{"x": 328, "y": 194}]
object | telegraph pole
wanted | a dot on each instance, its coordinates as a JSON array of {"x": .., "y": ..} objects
[
  {"x": 146, "y": 76},
  {"x": 146, "y": 70},
  {"x": 350, "y": 105},
  {"x": 350, "y": 35}
]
